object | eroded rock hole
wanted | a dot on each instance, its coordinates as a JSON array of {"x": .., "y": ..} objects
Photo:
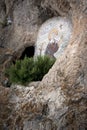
[{"x": 29, "y": 52}]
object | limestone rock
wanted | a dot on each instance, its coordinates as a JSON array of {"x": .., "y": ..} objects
[
  {"x": 59, "y": 101},
  {"x": 26, "y": 17}
]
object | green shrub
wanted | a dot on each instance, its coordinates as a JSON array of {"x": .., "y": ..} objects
[{"x": 29, "y": 69}]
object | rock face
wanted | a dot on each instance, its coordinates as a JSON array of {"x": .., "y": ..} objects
[
  {"x": 59, "y": 101},
  {"x": 19, "y": 24}
]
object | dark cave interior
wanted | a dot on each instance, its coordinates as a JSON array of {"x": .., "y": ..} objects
[{"x": 28, "y": 51}]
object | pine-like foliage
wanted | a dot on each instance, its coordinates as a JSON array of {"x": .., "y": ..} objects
[{"x": 29, "y": 69}]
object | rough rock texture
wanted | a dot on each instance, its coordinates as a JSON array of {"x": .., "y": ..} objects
[
  {"x": 59, "y": 101},
  {"x": 19, "y": 24}
]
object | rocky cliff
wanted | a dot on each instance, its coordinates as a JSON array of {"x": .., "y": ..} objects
[{"x": 59, "y": 101}]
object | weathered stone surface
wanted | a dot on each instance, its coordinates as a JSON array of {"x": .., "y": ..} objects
[
  {"x": 59, "y": 101},
  {"x": 26, "y": 17}
]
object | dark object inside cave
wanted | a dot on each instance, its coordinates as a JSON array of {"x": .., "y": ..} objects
[{"x": 28, "y": 51}]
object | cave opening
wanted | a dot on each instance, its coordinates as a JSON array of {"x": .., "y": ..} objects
[{"x": 28, "y": 52}]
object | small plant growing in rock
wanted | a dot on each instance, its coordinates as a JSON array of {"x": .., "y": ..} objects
[{"x": 29, "y": 69}]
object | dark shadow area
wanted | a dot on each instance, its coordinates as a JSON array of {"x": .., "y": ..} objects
[
  {"x": 29, "y": 52},
  {"x": 45, "y": 14}
]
